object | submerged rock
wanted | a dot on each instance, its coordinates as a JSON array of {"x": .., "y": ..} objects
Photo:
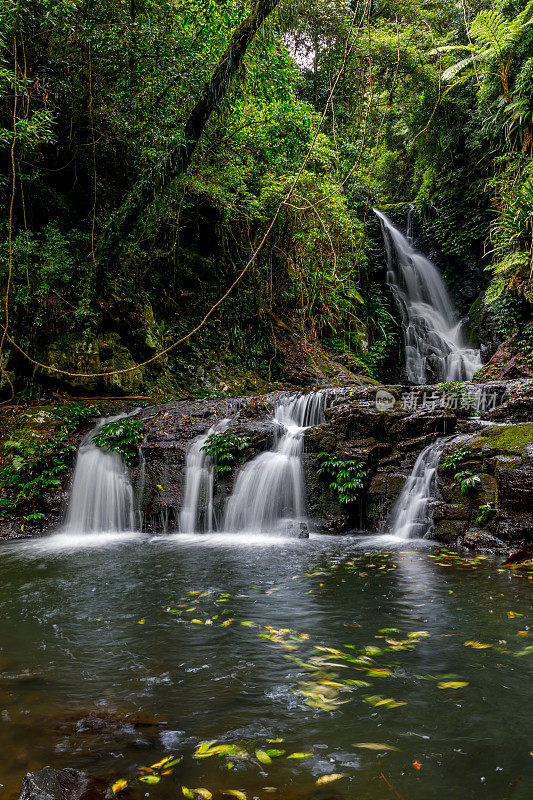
[{"x": 60, "y": 784}]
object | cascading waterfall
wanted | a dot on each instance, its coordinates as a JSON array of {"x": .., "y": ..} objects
[
  {"x": 197, "y": 513},
  {"x": 434, "y": 345},
  {"x": 270, "y": 491},
  {"x": 411, "y": 516},
  {"x": 101, "y": 497}
]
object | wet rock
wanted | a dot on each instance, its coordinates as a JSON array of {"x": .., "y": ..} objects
[
  {"x": 63, "y": 784},
  {"x": 479, "y": 539},
  {"x": 507, "y": 363}
]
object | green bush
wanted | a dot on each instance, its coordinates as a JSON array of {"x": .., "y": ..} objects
[
  {"x": 123, "y": 437},
  {"x": 225, "y": 448},
  {"x": 347, "y": 476}
]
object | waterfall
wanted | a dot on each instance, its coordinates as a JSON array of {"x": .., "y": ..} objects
[
  {"x": 411, "y": 516},
  {"x": 197, "y": 513},
  {"x": 101, "y": 496},
  {"x": 434, "y": 346},
  {"x": 270, "y": 490}
]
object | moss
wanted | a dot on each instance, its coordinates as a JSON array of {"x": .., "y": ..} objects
[{"x": 512, "y": 439}]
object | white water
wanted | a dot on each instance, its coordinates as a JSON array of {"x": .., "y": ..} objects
[
  {"x": 411, "y": 516},
  {"x": 101, "y": 497},
  {"x": 269, "y": 492},
  {"x": 197, "y": 513},
  {"x": 434, "y": 346}
]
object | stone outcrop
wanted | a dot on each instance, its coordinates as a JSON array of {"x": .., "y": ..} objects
[{"x": 60, "y": 784}]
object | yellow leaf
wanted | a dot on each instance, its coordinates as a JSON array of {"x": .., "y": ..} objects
[
  {"x": 203, "y": 793},
  {"x": 119, "y": 786},
  {"x": 187, "y": 793},
  {"x": 452, "y": 684},
  {"x": 376, "y": 746},
  {"x": 141, "y": 622},
  {"x": 336, "y": 776},
  {"x": 477, "y": 645},
  {"x": 159, "y": 486},
  {"x": 300, "y": 755},
  {"x": 235, "y": 793},
  {"x": 263, "y": 757},
  {"x": 161, "y": 763}
]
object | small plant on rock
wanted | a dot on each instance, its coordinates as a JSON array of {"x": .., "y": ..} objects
[
  {"x": 225, "y": 448},
  {"x": 467, "y": 481},
  {"x": 453, "y": 459},
  {"x": 123, "y": 436},
  {"x": 347, "y": 476}
]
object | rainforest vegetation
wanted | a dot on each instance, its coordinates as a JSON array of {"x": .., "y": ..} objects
[{"x": 156, "y": 151}]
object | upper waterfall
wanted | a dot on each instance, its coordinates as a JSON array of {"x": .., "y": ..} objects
[
  {"x": 270, "y": 489},
  {"x": 434, "y": 346}
]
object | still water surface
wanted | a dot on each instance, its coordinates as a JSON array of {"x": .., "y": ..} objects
[{"x": 118, "y": 652}]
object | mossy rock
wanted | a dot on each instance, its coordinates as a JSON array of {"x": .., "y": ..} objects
[{"x": 507, "y": 440}]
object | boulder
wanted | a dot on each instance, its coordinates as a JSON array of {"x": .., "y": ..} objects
[{"x": 60, "y": 784}]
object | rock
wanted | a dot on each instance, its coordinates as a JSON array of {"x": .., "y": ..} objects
[
  {"x": 478, "y": 539},
  {"x": 506, "y": 364},
  {"x": 63, "y": 784}
]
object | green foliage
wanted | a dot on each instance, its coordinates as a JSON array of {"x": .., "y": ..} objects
[
  {"x": 225, "y": 449},
  {"x": 347, "y": 476},
  {"x": 486, "y": 513},
  {"x": 72, "y": 417},
  {"x": 467, "y": 481},
  {"x": 123, "y": 437},
  {"x": 454, "y": 458}
]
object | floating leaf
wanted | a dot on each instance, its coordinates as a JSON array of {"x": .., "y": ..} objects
[
  {"x": 477, "y": 645},
  {"x": 335, "y": 776},
  {"x": 452, "y": 684},
  {"x": 275, "y": 753},
  {"x": 263, "y": 757},
  {"x": 150, "y": 779},
  {"x": 119, "y": 786},
  {"x": 416, "y": 765},
  {"x": 205, "y": 793},
  {"x": 187, "y": 793},
  {"x": 235, "y": 793},
  {"x": 141, "y": 622},
  {"x": 300, "y": 755},
  {"x": 376, "y": 746}
]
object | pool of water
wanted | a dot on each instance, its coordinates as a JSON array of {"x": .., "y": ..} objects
[{"x": 398, "y": 666}]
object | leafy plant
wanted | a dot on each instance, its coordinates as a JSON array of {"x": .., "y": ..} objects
[
  {"x": 487, "y": 510},
  {"x": 454, "y": 458},
  {"x": 123, "y": 436},
  {"x": 467, "y": 481},
  {"x": 225, "y": 448},
  {"x": 71, "y": 418},
  {"x": 347, "y": 476}
]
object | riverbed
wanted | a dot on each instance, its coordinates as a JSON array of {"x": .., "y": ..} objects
[{"x": 334, "y": 667}]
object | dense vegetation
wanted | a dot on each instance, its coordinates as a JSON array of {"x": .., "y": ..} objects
[{"x": 134, "y": 196}]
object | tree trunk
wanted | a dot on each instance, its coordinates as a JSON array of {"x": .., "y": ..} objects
[{"x": 178, "y": 160}]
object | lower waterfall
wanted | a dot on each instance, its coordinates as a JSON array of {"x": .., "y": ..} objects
[
  {"x": 270, "y": 489},
  {"x": 410, "y": 517},
  {"x": 197, "y": 513},
  {"x": 101, "y": 496}
]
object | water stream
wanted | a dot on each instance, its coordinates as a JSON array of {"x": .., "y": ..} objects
[
  {"x": 197, "y": 513},
  {"x": 269, "y": 492},
  {"x": 101, "y": 495},
  {"x": 435, "y": 349},
  {"x": 411, "y": 516}
]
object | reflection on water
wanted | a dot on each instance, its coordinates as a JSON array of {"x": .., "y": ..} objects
[{"x": 115, "y": 655}]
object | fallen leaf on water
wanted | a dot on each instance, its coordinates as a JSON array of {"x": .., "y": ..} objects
[
  {"x": 300, "y": 755},
  {"x": 376, "y": 746},
  {"x": 452, "y": 684},
  {"x": 263, "y": 757},
  {"x": 203, "y": 793},
  {"x": 141, "y": 622},
  {"x": 235, "y": 793},
  {"x": 477, "y": 645},
  {"x": 161, "y": 763},
  {"x": 417, "y": 765},
  {"x": 187, "y": 792},
  {"x": 336, "y": 776},
  {"x": 119, "y": 786},
  {"x": 150, "y": 779}
]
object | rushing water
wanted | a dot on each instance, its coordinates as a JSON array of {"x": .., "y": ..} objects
[
  {"x": 101, "y": 496},
  {"x": 197, "y": 514},
  {"x": 269, "y": 491},
  {"x": 115, "y": 657},
  {"x": 435, "y": 349},
  {"x": 411, "y": 516}
]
